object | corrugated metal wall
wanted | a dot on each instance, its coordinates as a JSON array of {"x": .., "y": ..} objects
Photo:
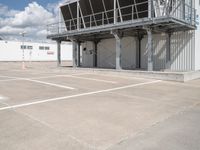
[
  {"x": 182, "y": 52},
  {"x": 159, "y": 56},
  {"x": 106, "y": 54}
]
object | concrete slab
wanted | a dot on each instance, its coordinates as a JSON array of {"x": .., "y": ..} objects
[
  {"x": 19, "y": 131},
  {"x": 180, "y": 132},
  {"x": 103, "y": 120},
  {"x": 130, "y": 113},
  {"x": 19, "y": 92}
]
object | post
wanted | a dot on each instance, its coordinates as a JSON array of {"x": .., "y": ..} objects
[
  {"x": 168, "y": 51},
  {"x": 74, "y": 44},
  {"x": 23, "y": 48},
  {"x": 58, "y": 53},
  {"x": 23, "y": 55},
  {"x": 79, "y": 54},
  {"x": 118, "y": 49},
  {"x": 138, "y": 52},
  {"x": 150, "y": 9},
  {"x": 183, "y": 5},
  {"x": 115, "y": 11},
  {"x": 95, "y": 52},
  {"x": 150, "y": 50},
  {"x": 191, "y": 13},
  {"x": 78, "y": 16}
]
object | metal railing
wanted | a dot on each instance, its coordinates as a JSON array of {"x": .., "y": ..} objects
[{"x": 131, "y": 13}]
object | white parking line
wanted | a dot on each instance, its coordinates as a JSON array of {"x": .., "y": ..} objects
[
  {"x": 11, "y": 78},
  {"x": 75, "y": 76},
  {"x": 6, "y": 80},
  {"x": 123, "y": 77},
  {"x": 92, "y": 79},
  {"x": 51, "y": 84},
  {"x": 78, "y": 95},
  {"x": 41, "y": 82},
  {"x": 53, "y": 76}
]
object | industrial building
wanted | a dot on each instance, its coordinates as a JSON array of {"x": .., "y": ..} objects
[
  {"x": 33, "y": 51},
  {"x": 152, "y": 35}
]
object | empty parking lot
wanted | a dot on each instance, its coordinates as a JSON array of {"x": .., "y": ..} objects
[{"x": 44, "y": 107}]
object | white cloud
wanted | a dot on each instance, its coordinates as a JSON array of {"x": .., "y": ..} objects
[
  {"x": 33, "y": 19},
  {"x": 33, "y": 15}
]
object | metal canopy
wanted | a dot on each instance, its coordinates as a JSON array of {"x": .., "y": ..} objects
[
  {"x": 94, "y": 16},
  {"x": 98, "y": 12}
]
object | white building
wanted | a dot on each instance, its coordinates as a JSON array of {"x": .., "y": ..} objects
[
  {"x": 13, "y": 51},
  {"x": 152, "y": 35}
]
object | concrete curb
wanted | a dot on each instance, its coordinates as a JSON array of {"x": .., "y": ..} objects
[{"x": 168, "y": 76}]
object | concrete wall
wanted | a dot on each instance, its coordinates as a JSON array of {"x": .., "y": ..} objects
[
  {"x": 197, "y": 37},
  {"x": 11, "y": 51},
  {"x": 182, "y": 52}
]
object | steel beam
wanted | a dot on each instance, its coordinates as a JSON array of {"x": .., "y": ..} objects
[
  {"x": 95, "y": 52},
  {"x": 150, "y": 9},
  {"x": 138, "y": 51},
  {"x": 74, "y": 44},
  {"x": 78, "y": 54},
  {"x": 118, "y": 38},
  {"x": 150, "y": 50},
  {"x": 58, "y": 53},
  {"x": 168, "y": 51},
  {"x": 115, "y": 12},
  {"x": 78, "y": 16}
]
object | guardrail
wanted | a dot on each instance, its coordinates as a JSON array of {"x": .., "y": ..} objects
[{"x": 180, "y": 11}]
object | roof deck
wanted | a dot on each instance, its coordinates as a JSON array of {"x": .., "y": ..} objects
[{"x": 86, "y": 19}]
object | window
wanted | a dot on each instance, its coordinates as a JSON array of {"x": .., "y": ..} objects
[
  {"x": 44, "y": 48},
  {"x": 29, "y": 47},
  {"x": 26, "y": 47},
  {"x": 41, "y": 47},
  {"x": 23, "y": 46},
  {"x": 47, "y": 48}
]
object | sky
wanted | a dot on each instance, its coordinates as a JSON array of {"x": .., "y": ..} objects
[{"x": 28, "y": 16}]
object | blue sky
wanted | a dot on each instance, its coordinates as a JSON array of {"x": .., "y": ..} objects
[
  {"x": 21, "y": 4},
  {"x": 30, "y": 16}
]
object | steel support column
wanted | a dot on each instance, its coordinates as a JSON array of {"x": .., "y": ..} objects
[
  {"x": 150, "y": 50},
  {"x": 118, "y": 49},
  {"x": 78, "y": 54},
  {"x": 95, "y": 52},
  {"x": 74, "y": 44},
  {"x": 58, "y": 53},
  {"x": 115, "y": 12},
  {"x": 168, "y": 51},
  {"x": 78, "y": 15},
  {"x": 150, "y": 9},
  {"x": 138, "y": 50}
]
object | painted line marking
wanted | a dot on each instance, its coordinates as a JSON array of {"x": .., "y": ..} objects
[
  {"x": 78, "y": 95},
  {"x": 51, "y": 84},
  {"x": 92, "y": 79},
  {"x": 10, "y": 80},
  {"x": 45, "y": 77},
  {"x": 123, "y": 77},
  {"x": 54, "y": 76},
  {"x": 83, "y": 78},
  {"x": 42, "y": 82}
]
